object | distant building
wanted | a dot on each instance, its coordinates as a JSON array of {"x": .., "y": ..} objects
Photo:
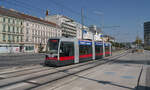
[
  {"x": 23, "y": 33},
  {"x": 108, "y": 38},
  {"x": 68, "y": 26},
  {"x": 79, "y": 30},
  {"x": 96, "y": 32},
  {"x": 87, "y": 34},
  {"x": 147, "y": 34}
]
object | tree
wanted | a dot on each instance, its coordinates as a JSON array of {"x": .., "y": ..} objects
[{"x": 138, "y": 41}]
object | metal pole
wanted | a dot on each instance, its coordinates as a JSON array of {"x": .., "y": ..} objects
[
  {"x": 103, "y": 47},
  {"x": 93, "y": 45},
  {"x": 82, "y": 21},
  {"x": 110, "y": 49},
  {"x": 99, "y": 13},
  {"x": 103, "y": 38}
]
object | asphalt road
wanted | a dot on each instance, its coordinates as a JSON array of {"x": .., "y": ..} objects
[
  {"x": 8, "y": 61},
  {"x": 21, "y": 60},
  {"x": 128, "y": 71}
]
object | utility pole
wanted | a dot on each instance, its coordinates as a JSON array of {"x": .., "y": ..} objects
[
  {"x": 102, "y": 26},
  {"x": 82, "y": 21},
  {"x": 137, "y": 39}
]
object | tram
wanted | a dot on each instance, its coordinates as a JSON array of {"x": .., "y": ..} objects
[{"x": 65, "y": 51}]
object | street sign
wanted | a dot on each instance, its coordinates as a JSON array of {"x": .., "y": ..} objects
[{"x": 84, "y": 31}]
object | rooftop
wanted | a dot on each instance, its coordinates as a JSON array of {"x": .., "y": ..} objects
[{"x": 16, "y": 14}]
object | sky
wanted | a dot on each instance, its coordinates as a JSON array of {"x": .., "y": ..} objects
[{"x": 127, "y": 15}]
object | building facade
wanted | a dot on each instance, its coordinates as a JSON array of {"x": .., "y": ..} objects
[
  {"x": 68, "y": 26},
  {"x": 23, "y": 33},
  {"x": 147, "y": 34},
  {"x": 37, "y": 33},
  {"x": 87, "y": 34},
  {"x": 11, "y": 32},
  {"x": 79, "y": 30}
]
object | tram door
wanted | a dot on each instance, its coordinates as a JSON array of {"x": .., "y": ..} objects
[
  {"x": 67, "y": 52},
  {"x": 106, "y": 51},
  {"x": 98, "y": 51}
]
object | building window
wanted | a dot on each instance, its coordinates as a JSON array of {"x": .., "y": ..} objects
[
  {"x": 27, "y": 39},
  {"x": 4, "y": 19},
  {"x": 33, "y": 32},
  {"x": 8, "y": 28},
  {"x": 27, "y": 24},
  {"x": 17, "y": 29},
  {"x": 17, "y": 22},
  {"x": 13, "y": 38},
  {"x": 8, "y": 20},
  {"x": 21, "y": 31},
  {"x": 4, "y": 28},
  {"x": 13, "y": 21},
  {"x": 27, "y": 31},
  {"x": 4, "y": 37},
  {"x": 21, "y": 39},
  {"x": 38, "y": 32},
  {"x": 9, "y": 38},
  {"x": 17, "y": 38},
  {"x": 13, "y": 29},
  {"x": 21, "y": 23}
]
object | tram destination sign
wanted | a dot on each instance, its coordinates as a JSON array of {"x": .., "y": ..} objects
[{"x": 85, "y": 43}]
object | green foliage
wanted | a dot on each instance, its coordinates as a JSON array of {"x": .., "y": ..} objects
[
  {"x": 138, "y": 41},
  {"x": 147, "y": 48},
  {"x": 116, "y": 44}
]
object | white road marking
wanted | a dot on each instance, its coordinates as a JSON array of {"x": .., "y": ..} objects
[
  {"x": 2, "y": 76},
  {"x": 32, "y": 81}
]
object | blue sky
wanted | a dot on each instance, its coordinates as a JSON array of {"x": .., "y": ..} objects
[{"x": 128, "y": 14}]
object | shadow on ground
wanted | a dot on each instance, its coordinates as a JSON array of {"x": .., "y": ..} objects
[
  {"x": 115, "y": 84},
  {"x": 144, "y": 62},
  {"x": 142, "y": 88}
]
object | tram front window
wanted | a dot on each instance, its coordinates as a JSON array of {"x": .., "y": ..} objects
[{"x": 53, "y": 46}]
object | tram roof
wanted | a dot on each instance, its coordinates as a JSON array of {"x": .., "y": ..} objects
[{"x": 71, "y": 38}]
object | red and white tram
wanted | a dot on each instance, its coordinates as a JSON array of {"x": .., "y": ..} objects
[{"x": 65, "y": 51}]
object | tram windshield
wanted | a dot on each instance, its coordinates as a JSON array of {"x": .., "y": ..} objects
[{"x": 53, "y": 46}]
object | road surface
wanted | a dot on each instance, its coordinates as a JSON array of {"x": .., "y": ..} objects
[{"x": 125, "y": 71}]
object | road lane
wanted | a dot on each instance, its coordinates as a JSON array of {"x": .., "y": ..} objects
[{"x": 34, "y": 77}]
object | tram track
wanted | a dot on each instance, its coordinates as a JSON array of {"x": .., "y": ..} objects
[
  {"x": 27, "y": 71},
  {"x": 21, "y": 69},
  {"x": 74, "y": 73},
  {"x": 60, "y": 71}
]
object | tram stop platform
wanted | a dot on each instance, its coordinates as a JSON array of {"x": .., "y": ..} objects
[{"x": 126, "y": 73}]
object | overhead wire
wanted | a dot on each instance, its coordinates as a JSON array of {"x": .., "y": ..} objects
[{"x": 37, "y": 9}]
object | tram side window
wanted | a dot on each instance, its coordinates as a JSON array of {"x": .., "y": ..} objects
[
  {"x": 107, "y": 49},
  {"x": 85, "y": 49},
  {"x": 97, "y": 49},
  {"x": 101, "y": 48},
  {"x": 66, "y": 49}
]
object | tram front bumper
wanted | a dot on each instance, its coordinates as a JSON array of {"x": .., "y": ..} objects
[{"x": 52, "y": 62}]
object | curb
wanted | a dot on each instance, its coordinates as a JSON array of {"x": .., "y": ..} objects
[{"x": 21, "y": 54}]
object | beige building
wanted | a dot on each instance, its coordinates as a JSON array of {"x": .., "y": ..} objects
[
  {"x": 23, "y": 33},
  {"x": 38, "y": 31}
]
